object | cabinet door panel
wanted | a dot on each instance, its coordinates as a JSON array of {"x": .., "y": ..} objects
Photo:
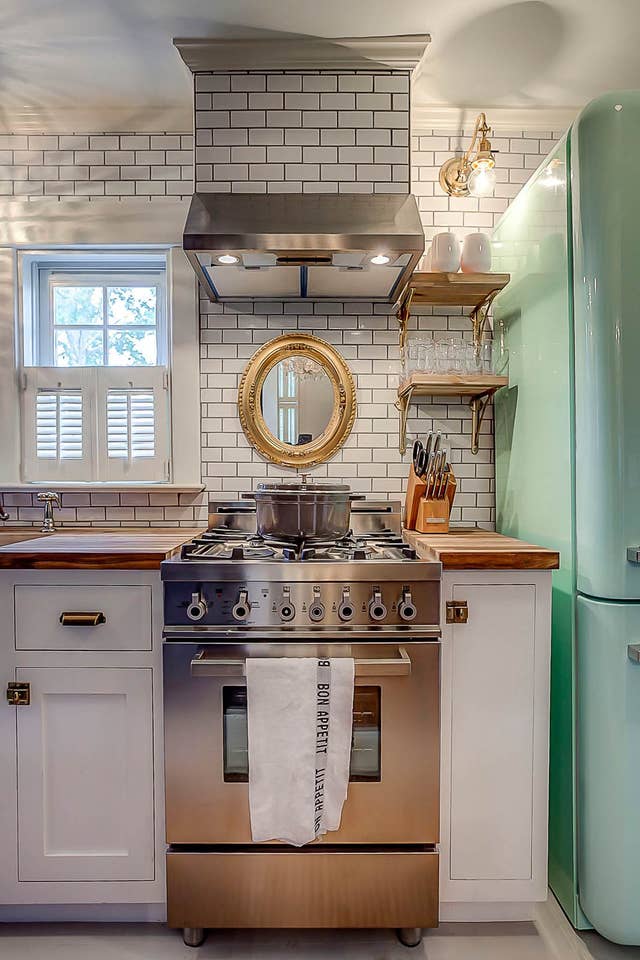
[
  {"x": 492, "y": 734},
  {"x": 85, "y": 775}
]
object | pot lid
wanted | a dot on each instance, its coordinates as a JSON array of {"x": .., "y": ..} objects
[{"x": 299, "y": 486}]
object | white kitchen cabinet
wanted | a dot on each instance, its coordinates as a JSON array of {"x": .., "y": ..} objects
[
  {"x": 85, "y": 774},
  {"x": 82, "y": 792},
  {"x": 495, "y": 709}
]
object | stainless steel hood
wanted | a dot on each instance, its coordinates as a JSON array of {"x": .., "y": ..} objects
[{"x": 303, "y": 246}]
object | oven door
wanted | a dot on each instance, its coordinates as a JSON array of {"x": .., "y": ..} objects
[{"x": 393, "y": 794}]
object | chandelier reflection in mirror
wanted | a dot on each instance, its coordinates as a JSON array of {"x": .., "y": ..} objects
[
  {"x": 472, "y": 174},
  {"x": 303, "y": 368}
]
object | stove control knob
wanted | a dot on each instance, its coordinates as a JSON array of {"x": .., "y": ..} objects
[
  {"x": 242, "y": 609},
  {"x": 287, "y": 611},
  {"x": 407, "y": 608},
  {"x": 197, "y": 608},
  {"x": 377, "y": 609},
  {"x": 316, "y": 610},
  {"x": 346, "y": 609}
]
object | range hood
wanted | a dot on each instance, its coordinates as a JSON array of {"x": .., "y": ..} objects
[{"x": 303, "y": 246}]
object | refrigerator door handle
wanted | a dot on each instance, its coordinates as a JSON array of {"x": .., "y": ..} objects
[{"x": 633, "y": 652}]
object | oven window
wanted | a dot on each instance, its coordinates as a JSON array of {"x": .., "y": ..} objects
[{"x": 365, "y": 744}]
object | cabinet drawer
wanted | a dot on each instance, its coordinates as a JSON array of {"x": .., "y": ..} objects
[
  {"x": 124, "y": 624},
  {"x": 310, "y": 887}
]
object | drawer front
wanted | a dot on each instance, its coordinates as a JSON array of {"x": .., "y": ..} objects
[
  {"x": 302, "y": 888},
  {"x": 96, "y": 617}
]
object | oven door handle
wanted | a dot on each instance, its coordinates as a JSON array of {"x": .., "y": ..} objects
[{"x": 400, "y": 666}]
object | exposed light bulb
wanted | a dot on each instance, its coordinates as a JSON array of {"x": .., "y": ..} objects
[
  {"x": 380, "y": 258},
  {"x": 228, "y": 258},
  {"x": 482, "y": 182}
]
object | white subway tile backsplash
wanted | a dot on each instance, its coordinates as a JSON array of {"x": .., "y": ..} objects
[{"x": 287, "y": 157}]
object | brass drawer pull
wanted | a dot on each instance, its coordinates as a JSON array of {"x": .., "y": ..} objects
[{"x": 82, "y": 619}]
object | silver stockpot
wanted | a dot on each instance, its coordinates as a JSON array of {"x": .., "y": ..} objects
[{"x": 302, "y": 511}]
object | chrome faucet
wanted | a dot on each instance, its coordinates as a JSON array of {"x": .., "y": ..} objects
[
  {"x": 3, "y": 513},
  {"x": 49, "y": 498}
]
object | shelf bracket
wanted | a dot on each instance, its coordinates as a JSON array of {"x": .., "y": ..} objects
[
  {"x": 403, "y": 313},
  {"x": 478, "y": 409},
  {"x": 479, "y": 316},
  {"x": 402, "y": 405}
]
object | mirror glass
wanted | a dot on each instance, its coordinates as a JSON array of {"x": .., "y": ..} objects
[{"x": 297, "y": 400}]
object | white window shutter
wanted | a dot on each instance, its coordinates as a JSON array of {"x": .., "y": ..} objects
[
  {"x": 133, "y": 424},
  {"x": 57, "y": 437}
]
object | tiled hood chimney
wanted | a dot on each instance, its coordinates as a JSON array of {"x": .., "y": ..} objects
[{"x": 302, "y": 168}]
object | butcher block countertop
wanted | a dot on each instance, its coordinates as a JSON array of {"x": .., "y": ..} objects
[
  {"x": 469, "y": 548},
  {"x": 93, "y": 548}
]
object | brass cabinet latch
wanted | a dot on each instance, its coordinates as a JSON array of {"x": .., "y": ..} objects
[
  {"x": 457, "y": 611},
  {"x": 19, "y": 694}
]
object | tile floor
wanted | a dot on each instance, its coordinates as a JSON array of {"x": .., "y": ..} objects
[
  {"x": 601, "y": 949},
  {"x": 452, "y": 941}
]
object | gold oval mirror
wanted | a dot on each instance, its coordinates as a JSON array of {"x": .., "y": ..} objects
[{"x": 297, "y": 400}]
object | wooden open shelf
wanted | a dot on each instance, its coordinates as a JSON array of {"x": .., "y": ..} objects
[
  {"x": 479, "y": 387},
  {"x": 456, "y": 289},
  {"x": 451, "y": 384},
  {"x": 475, "y": 290}
]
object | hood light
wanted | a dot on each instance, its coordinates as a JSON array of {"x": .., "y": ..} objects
[
  {"x": 380, "y": 259},
  {"x": 228, "y": 258}
]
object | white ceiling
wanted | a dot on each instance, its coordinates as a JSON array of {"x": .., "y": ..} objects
[{"x": 110, "y": 64}]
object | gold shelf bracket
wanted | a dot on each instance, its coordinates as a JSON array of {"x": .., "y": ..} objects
[
  {"x": 479, "y": 317},
  {"x": 403, "y": 313},
  {"x": 478, "y": 409},
  {"x": 402, "y": 406}
]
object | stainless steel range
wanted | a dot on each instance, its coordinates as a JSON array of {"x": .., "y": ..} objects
[{"x": 233, "y": 595}]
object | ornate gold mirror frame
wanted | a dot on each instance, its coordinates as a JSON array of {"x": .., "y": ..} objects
[{"x": 250, "y": 401}]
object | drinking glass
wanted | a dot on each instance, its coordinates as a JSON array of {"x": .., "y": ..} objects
[
  {"x": 411, "y": 357},
  {"x": 426, "y": 356}
]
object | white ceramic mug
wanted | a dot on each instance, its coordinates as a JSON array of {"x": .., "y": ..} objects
[
  {"x": 445, "y": 253},
  {"x": 476, "y": 253}
]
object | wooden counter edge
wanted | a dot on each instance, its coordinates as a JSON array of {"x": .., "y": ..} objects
[
  {"x": 525, "y": 557},
  {"x": 33, "y": 554}
]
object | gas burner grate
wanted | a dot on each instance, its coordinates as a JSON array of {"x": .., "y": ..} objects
[{"x": 231, "y": 545}]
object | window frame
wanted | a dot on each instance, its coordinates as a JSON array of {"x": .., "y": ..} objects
[{"x": 48, "y": 227}]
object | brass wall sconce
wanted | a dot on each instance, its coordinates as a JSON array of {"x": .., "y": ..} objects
[{"x": 473, "y": 174}]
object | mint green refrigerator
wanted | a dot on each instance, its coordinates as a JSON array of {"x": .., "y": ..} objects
[{"x": 568, "y": 476}]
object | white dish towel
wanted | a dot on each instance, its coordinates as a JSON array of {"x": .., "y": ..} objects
[{"x": 299, "y": 715}]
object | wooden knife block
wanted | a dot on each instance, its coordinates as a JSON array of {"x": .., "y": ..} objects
[
  {"x": 416, "y": 488},
  {"x": 433, "y": 516},
  {"x": 427, "y": 519}
]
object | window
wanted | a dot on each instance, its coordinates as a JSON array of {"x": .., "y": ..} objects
[
  {"x": 287, "y": 404},
  {"x": 95, "y": 375},
  {"x": 101, "y": 320}
]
